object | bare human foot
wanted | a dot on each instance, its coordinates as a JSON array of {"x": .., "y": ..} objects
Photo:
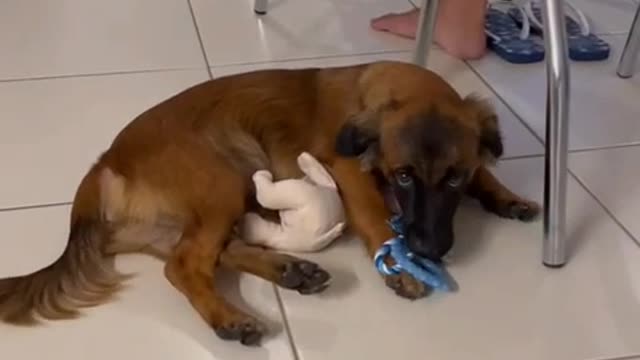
[
  {"x": 402, "y": 24},
  {"x": 459, "y": 27}
]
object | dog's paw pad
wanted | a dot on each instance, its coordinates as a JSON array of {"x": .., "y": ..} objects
[
  {"x": 305, "y": 277},
  {"x": 248, "y": 331},
  {"x": 523, "y": 210},
  {"x": 404, "y": 285}
]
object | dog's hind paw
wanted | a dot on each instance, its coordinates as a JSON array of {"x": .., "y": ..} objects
[
  {"x": 304, "y": 276},
  {"x": 248, "y": 331}
]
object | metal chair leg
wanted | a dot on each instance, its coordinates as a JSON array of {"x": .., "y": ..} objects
[
  {"x": 557, "y": 134},
  {"x": 426, "y": 28},
  {"x": 260, "y": 6},
  {"x": 554, "y": 246},
  {"x": 631, "y": 48}
]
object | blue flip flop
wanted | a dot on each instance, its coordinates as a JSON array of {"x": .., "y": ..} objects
[
  {"x": 506, "y": 39},
  {"x": 583, "y": 45}
]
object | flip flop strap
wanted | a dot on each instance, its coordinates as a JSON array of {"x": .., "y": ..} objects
[
  {"x": 519, "y": 4},
  {"x": 575, "y": 13}
]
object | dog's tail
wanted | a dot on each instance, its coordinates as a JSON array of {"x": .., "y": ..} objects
[{"x": 83, "y": 276}]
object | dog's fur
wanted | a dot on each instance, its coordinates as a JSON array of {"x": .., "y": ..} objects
[{"x": 177, "y": 178}]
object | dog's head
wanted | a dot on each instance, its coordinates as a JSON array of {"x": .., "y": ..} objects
[{"x": 425, "y": 142}]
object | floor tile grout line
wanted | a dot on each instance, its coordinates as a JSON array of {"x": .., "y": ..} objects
[
  {"x": 521, "y": 157},
  {"x": 307, "y": 58},
  {"x": 571, "y": 173},
  {"x": 579, "y": 151},
  {"x": 108, "y": 73},
  {"x": 207, "y": 67},
  {"x": 287, "y": 325},
  {"x": 31, "y": 207},
  {"x": 605, "y": 208},
  {"x": 626, "y": 357},
  {"x": 606, "y": 147},
  {"x": 200, "y": 42}
]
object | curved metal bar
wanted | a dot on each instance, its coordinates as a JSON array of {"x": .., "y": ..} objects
[{"x": 631, "y": 48}]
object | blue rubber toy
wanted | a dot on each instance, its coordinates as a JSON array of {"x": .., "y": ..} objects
[{"x": 423, "y": 270}]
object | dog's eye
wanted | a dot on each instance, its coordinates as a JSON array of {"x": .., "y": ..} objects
[{"x": 403, "y": 177}]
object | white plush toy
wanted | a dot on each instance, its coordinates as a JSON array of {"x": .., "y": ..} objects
[{"x": 310, "y": 208}]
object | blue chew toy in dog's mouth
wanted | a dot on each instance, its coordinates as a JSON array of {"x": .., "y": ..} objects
[{"x": 422, "y": 269}]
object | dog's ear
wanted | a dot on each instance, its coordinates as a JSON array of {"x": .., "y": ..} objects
[
  {"x": 359, "y": 137},
  {"x": 353, "y": 140},
  {"x": 490, "y": 139},
  {"x": 356, "y": 141},
  {"x": 491, "y": 142}
]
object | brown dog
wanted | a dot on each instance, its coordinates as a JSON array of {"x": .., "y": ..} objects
[{"x": 177, "y": 178}]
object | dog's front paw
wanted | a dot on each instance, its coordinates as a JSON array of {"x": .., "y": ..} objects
[
  {"x": 521, "y": 209},
  {"x": 406, "y": 286}
]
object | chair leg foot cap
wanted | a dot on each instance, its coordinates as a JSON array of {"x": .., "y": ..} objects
[{"x": 553, "y": 266}]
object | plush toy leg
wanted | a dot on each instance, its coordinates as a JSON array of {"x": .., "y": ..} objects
[
  {"x": 325, "y": 239},
  {"x": 315, "y": 171},
  {"x": 280, "y": 195},
  {"x": 258, "y": 231}
]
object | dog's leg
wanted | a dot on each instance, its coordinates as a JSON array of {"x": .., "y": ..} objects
[
  {"x": 191, "y": 270},
  {"x": 367, "y": 214},
  {"x": 496, "y": 198},
  {"x": 283, "y": 270}
]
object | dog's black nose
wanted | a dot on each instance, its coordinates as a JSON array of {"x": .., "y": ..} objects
[
  {"x": 419, "y": 246},
  {"x": 431, "y": 249},
  {"x": 433, "y": 255}
]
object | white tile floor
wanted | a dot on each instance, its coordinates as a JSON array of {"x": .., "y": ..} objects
[{"x": 73, "y": 72}]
